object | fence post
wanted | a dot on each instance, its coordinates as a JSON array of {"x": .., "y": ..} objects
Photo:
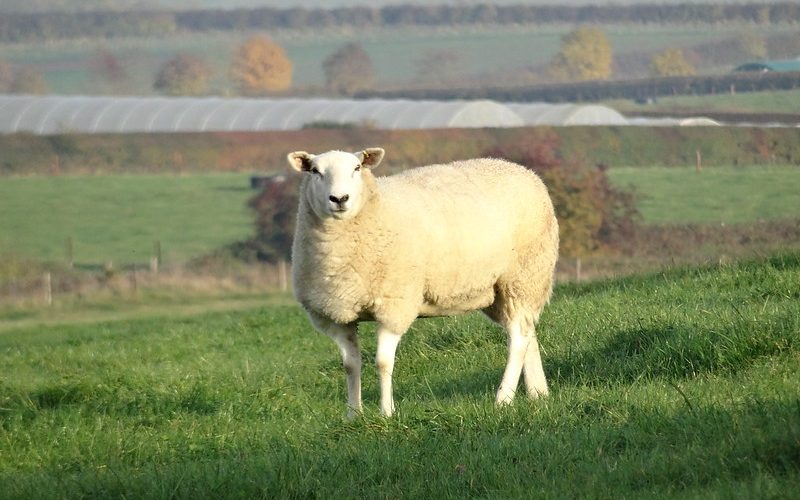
[
  {"x": 282, "y": 275},
  {"x": 577, "y": 268},
  {"x": 155, "y": 260},
  {"x": 135, "y": 282},
  {"x": 48, "y": 289},
  {"x": 70, "y": 251},
  {"x": 698, "y": 165}
]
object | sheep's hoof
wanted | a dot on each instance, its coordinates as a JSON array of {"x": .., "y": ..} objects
[
  {"x": 537, "y": 393},
  {"x": 353, "y": 413},
  {"x": 504, "y": 398}
]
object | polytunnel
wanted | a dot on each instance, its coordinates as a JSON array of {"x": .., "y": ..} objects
[
  {"x": 90, "y": 114},
  {"x": 567, "y": 114}
]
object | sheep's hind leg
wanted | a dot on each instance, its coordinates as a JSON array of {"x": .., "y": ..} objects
[
  {"x": 535, "y": 381},
  {"x": 346, "y": 339},
  {"x": 384, "y": 360},
  {"x": 518, "y": 343}
]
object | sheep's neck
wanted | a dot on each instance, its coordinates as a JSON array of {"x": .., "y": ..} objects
[{"x": 338, "y": 257}]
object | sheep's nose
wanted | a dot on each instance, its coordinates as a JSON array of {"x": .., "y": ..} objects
[{"x": 340, "y": 199}]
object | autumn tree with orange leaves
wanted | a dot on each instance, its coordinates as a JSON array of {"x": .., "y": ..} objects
[{"x": 260, "y": 66}]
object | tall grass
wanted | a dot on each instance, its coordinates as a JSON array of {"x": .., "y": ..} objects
[{"x": 685, "y": 383}]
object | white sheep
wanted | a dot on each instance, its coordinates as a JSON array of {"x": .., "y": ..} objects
[{"x": 431, "y": 241}]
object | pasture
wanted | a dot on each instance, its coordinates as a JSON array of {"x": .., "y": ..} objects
[
  {"x": 679, "y": 384},
  {"x": 119, "y": 218},
  {"x": 769, "y": 101},
  {"x": 720, "y": 195}
]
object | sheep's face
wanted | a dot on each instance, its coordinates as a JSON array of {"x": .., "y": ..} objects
[{"x": 336, "y": 185}]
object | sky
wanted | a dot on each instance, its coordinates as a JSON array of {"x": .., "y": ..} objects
[{"x": 40, "y": 5}]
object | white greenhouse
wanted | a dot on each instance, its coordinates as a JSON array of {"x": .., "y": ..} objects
[{"x": 60, "y": 114}]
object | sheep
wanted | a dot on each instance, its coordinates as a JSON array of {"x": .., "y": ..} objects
[{"x": 431, "y": 241}]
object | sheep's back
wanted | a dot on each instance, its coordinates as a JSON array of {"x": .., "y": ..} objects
[{"x": 467, "y": 221}]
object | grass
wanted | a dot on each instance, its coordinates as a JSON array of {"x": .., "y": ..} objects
[
  {"x": 772, "y": 101},
  {"x": 714, "y": 195},
  {"x": 119, "y": 217},
  {"x": 681, "y": 384}
]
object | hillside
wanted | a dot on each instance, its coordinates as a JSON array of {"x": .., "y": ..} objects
[{"x": 685, "y": 383}]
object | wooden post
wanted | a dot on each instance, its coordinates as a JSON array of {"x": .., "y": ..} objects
[
  {"x": 155, "y": 260},
  {"x": 134, "y": 282},
  {"x": 283, "y": 275},
  {"x": 70, "y": 251},
  {"x": 48, "y": 289},
  {"x": 698, "y": 166},
  {"x": 577, "y": 268},
  {"x": 108, "y": 269}
]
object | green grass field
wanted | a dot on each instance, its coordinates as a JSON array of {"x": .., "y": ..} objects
[
  {"x": 714, "y": 195},
  {"x": 774, "y": 101},
  {"x": 684, "y": 384},
  {"x": 119, "y": 217}
]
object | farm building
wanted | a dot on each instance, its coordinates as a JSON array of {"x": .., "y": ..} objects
[
  {"x": 58, "y": 114},
  {"x": 784, "y": 65}
]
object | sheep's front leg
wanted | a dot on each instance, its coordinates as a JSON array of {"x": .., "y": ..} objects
[
  {"x": 346, "y": 339},
  {"x": 384, "y": 360}
]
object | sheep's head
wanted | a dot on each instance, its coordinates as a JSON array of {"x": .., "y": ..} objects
[{"x": 335, "y": 187}]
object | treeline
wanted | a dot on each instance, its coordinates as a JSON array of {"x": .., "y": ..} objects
[
  {"x": 639, "y": 89},
  {"x": 15, "y": 27},
  {"x": 265, "y": 152}
]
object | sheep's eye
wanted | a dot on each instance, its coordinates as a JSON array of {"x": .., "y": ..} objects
[
  {"x": 358, "y": 168},
  {"x": 314, "y": 170}
]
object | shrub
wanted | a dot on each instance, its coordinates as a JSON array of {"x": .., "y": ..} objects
[{"x": 275, "y": 208}]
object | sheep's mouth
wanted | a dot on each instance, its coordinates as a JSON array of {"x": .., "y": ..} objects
[{"x": 339, "y": 212}]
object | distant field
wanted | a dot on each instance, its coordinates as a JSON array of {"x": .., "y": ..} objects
[
  {"x": 118, "y": 218},
  {"x": 775, "y": 101},
  {"x": 684, "y": 384},
  {"x": 70, "y": 67},
  {"x": 715, "y": 195}
]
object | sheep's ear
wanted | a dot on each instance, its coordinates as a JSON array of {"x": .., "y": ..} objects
[
  {"x": 300, "y": 160},
  {"x": 371, "y": 157}
]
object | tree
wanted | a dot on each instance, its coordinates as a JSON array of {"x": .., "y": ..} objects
[
  {"x": 6, "y": 76},
  {"x": 260, "y": 66},
  {"x": 108, "y": 66},
  {"x": 184, "y": 74},
  {"x": 753, "y": 45},
  {"x": 671, "y": 62},
  {"x": 349, "y": 70},
  {"x": 439, "y": 66},
  {"x": 585, "y": 54},
  {"x": 27, "y": 81}
]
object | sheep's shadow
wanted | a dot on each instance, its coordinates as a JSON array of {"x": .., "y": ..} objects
[{"x": 671, "y": 352}]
